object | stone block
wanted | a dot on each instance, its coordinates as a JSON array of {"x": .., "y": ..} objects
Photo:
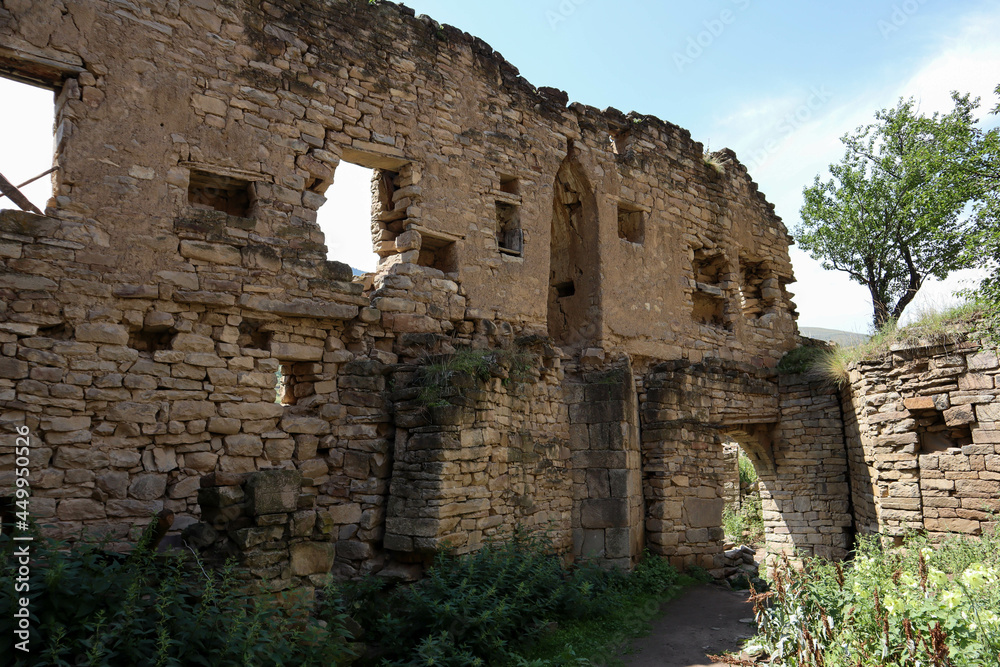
[
  {"x": 273, "y": 491},
  {"x": 617, "y": 542},
  {"x": 251, "y": 411},
  {"x": 919, "y": 403},
  {"x": 312, "y": 558},
  {"x": 354, "y": 550},
  {"x": 101, "y": 332},
  {"x": 79, "y": 509},
  {"x": 13, "y": 369},
  {"x": 188, "y": 410},
  {"x": 296, "y": 352},
  {"x": 988, "y": 412},
  {"x": 983, "y": 361},
  {"x": 959, "y": 415},
  {"x": 593, "y": 544},
  {"x": 148, "y": 487},
  {"x": 952, "y": 525},
  {"x": 345, "y": 513},
  {"x": 412, "y": 527},
  {"x": 244, "y": 444},
  {"x": 216, "y": 253},
  {"x": 130, "y": 507},
  {"x": 299, "y": 424},
  {"x": 113, "y": 483},
  {"x": 605, "y": 513},
  {"x": 74, "y": 457},
  {"x": 598, "y": 485},
  {"x": 248, "y": 538},
  {"x": 133, "y": 413},
  {"x": 223, "y": 425},
  {"x": 703, "y": 512},
  {"x": 302, "y": 523}
]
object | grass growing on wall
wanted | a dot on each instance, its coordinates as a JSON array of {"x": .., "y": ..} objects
[
  {"x": 972, "y": 319},
  {"x": 745, "y": 523},
  {"x": 452, "y": 373}
]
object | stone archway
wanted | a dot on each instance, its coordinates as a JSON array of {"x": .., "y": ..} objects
[{"x": 791, "y": 428}]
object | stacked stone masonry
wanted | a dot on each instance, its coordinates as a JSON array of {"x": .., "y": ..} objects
[
  {"x": 926, "y": 455},
  {"x": 178, "y": 272}
]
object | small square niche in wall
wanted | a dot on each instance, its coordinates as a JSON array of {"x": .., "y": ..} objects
[
  {"x": 221, "y": 193},
  {"x": 631, "y": 224}
]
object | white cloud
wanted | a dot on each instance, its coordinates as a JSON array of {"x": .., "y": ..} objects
[{"x": 783, "y": 156}]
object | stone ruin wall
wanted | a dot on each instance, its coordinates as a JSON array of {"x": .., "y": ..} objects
[
  {"x": 924, "y": 439},
  {"x": 179, "y": 266}
]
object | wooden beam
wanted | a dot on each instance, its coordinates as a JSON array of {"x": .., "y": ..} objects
[{"x": 11, "y": 191}]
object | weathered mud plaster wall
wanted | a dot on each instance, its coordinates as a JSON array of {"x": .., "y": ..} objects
[
  {"x": 927, "y": 452},
  {"x": 179, "y": 266}
]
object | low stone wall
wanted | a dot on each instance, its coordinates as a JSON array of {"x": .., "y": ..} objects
[
  {"x": 267, "y": 522},
  {"x": 928, "y": 434}
]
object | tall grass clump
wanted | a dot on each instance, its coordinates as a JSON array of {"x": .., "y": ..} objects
[
  {"x": 973, "y": 318},
  {"x": 453, "y": 374},
  {"x": 91, "y": 607},
  {"x": 915, "y": 605}
]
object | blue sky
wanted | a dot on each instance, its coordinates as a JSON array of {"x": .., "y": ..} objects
[{"x": 778, "y": 82}]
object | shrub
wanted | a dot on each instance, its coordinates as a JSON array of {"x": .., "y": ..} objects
[
  {"x": 490, "y": 606},
  {"x": 908, "y": 606},
  {"x": 746, "y": 523},
  {"x": 97, "y": 608}
]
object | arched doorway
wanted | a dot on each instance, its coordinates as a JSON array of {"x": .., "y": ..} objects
[{"x": 573, "y": 308}]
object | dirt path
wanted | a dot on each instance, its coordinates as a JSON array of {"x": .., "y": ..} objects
[{"x": 704, "y": 619}]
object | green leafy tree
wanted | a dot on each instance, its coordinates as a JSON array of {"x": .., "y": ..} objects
[
  {"x": 894, "y": 211},
  {"x": 984, "y": 245}
]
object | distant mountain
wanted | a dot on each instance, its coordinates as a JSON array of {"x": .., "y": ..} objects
[
  {"x": 357, "y": 272},
  {"x": 842, "y": 338}
]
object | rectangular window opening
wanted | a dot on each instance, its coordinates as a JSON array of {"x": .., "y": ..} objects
[
  {"x": 26, "y": 161},
  {"x": 509, "y": 236},
  {"x": 253, "y": 336},
  {"x": 937, "y": 437},
  {"x": 360, "y": 214},
  {"x": 438, "y": 254},
  {"x": 565, "y": 289},
  {"x": 631, "y": 224},
  {"x": 752, "y": 277},
  {"x": 510, "y": 184},
  {"x": 216, "y": 192},
  {"x": 708, "y": 297},
  {"x": 150, "y": 339},
  {"x": 296, "y": 381}
]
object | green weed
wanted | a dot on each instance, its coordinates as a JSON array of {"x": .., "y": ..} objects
[
  {"x": 455, "y": 374},
  {"x": 97, "y": 608},
  {"x": 915, "y": 605}
]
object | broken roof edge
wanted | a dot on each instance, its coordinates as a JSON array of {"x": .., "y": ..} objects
[{"x": 546, "y": 98}]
